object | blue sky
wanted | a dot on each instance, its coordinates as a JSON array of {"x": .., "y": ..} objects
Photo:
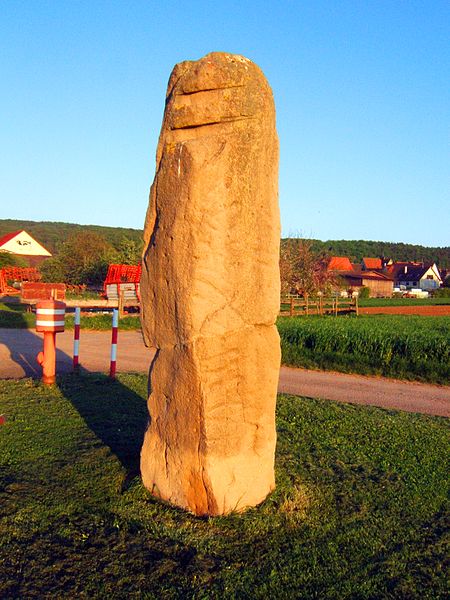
[{"x": 361, "y": 90}]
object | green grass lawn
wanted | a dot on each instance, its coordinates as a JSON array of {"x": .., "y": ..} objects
[
  {"x": 405, "y": 347},
  {"x": 86, "y": 295},
  {"x": 359, "y": 510}
]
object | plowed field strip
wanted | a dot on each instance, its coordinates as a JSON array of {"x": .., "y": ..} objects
[{"x": 438, "y": 310}]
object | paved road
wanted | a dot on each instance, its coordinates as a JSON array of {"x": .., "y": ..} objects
[{"x": 18, "y": 349}]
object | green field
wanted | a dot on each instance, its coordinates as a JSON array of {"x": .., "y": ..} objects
[
  {"x": 359, "y": 510},
  {"x": 407, "y": 347}
]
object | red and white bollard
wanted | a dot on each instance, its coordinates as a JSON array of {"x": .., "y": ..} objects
[
  {"x": 76, "y": 339},
  {"x": 115, "y": 331},
  {"x": 50, "y": 316}
]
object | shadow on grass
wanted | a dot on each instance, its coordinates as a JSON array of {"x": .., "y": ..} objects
[{"x": 115, "y": 413}]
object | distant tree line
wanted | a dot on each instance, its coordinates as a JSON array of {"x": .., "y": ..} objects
[
  {"x": 82, "y": 253},
  {"x": 356, "y": 250},
  {"x": 53, "y": 234}
]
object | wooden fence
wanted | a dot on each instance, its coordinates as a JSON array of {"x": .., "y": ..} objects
[{"x": 293, "y": 306}]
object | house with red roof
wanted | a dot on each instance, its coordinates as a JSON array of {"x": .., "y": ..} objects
[
  {"x": 339, "y": 263},
  {"x": 381, "y": 275},
  {"x": 355, "y": 276},
  {"x": 369, "y": 264},
  {"x": 20, "y": 243}
]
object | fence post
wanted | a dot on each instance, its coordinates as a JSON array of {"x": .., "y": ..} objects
[
  {"x": 306, "y": 305},
  {"x": 115, "y": 329},
  {"x": 121, "y": 303},
  {"x": 336, "y": 307},
  {"x": 76, "y": 339},
  {"x": 291, "y": 310}
]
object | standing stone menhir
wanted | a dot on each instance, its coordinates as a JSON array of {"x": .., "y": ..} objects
[{"x": 210, "y": 290}]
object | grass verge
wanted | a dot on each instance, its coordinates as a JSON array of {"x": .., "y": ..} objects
[
  {"x": 15, "y": 316},
  {"x": 359, "y": 510}
]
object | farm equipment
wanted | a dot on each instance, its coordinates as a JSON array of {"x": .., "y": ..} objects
[
  {"x": 21, "y": 274},
  {"x": 32, "y": 291},
  {"x": 17, "y": 275},
  {"x": 5, "y": 289},
  {"x": 122, "y": 284}
]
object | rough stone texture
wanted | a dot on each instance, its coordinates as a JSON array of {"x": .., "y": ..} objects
[{"x": 210, "y": 290}]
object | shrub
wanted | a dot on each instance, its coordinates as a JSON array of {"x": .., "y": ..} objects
[
  {"x": 442, "y": 293},
  {"x": 11, "y": 260}
]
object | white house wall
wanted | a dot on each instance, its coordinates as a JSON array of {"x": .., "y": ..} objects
[
  {"x": 430, "y": 284},
  {"x": 25, "y": 245}
]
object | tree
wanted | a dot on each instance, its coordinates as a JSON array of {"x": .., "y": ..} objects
[
  {"x": 129, "y": 251},
  {"x": 53, "y": 270},
  {"x": 303, "y": 271},
  {"x": 83, "y": 258}
]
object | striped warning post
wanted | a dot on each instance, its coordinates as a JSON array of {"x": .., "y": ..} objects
[
  {"x": 49, "y": 321},
  {"x": 115, "y": 330},
  {"x": 50, "y": 316},
  {"x": 76, "y": 339}
]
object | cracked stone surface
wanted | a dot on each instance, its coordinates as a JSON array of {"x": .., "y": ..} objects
[{"x": 210, "y": 290}]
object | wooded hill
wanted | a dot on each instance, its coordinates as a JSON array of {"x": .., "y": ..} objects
[
  {"x": 356, "y": 250},
  {"x": 52, "y": 234}
]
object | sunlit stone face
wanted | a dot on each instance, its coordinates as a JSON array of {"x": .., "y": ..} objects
[{"x": 210, "y": 289}]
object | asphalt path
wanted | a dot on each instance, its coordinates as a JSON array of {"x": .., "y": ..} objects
[{"x": 19, "y": 347}]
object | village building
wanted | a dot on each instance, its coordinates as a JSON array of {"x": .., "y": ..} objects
[
  {"x": 339, "y": 263},
  {"x": 383, "y": 276},
  {"x": 20, "y": 243},
  {"x": 379, "y": 264},
  {"x": 353, "y": 277},
  {"x": 410, "y": 275},
  {"x": 445, "y": 276},
  {"x": 379, "y": 284},
  {"x": 371, "y": 264}
]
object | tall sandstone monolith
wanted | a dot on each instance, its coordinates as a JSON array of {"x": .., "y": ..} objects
[{"x": 210, "y": 290}]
